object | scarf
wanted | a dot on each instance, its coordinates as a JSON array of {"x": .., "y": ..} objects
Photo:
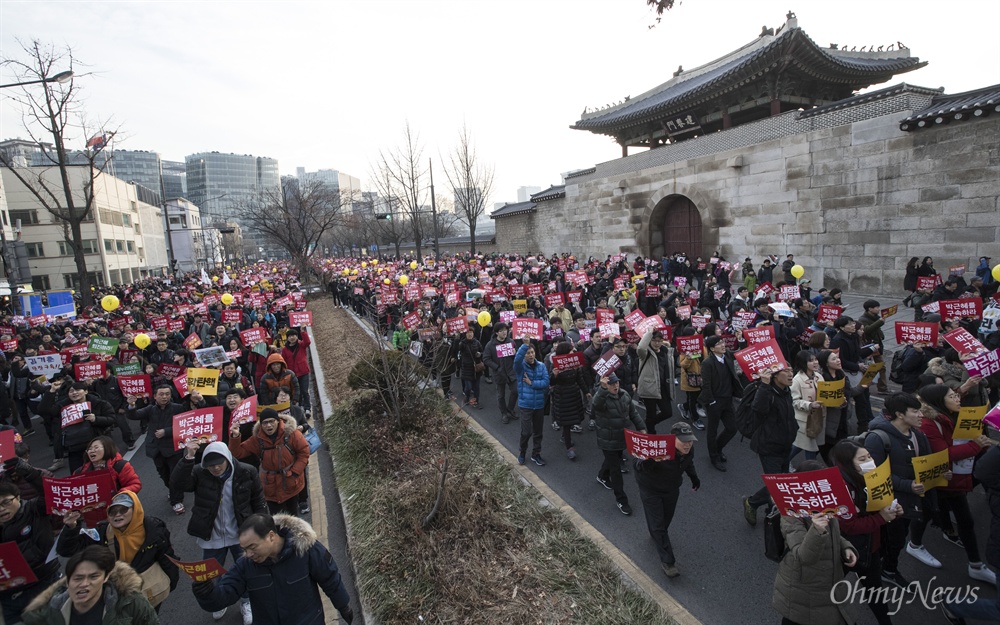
[{"x": 131, "y": 538}]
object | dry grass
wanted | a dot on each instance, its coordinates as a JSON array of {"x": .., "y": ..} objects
[{"x": 492, "y": 555}]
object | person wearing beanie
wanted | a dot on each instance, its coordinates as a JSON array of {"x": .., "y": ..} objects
[{"x": 283, "y": 452}]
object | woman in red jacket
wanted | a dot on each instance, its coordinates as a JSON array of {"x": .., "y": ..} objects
[
  {"x": 101, "y": 454},
  {"x": 864, "y": 528},
  {"x": 941, "y": 407}
]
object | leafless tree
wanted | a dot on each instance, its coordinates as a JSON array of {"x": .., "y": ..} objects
[
  {"x": 53, "y": 110},
  {"x": 660, "y": 7},
  {"x": 399, "y": 177},
  {"x": 471, "y": 182}
]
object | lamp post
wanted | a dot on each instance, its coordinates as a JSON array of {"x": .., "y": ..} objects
[{"x": 61, "y": 78}]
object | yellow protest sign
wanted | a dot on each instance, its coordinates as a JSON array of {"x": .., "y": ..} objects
[
  {"x": 205, "y": 381},
  {"x": 869, "y": 376},
  {"x": 830, "y": 394},
  {"x": 879, "y": 485},
  {"x": 276, "y": 407},
  {"x": 930, "y": 469},
  {"x": 520, "y": 306},
  {"x": 969, "y": 423}
]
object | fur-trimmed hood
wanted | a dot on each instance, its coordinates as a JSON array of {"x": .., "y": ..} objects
[
  {"x": 122, "y": 581},
  {"x": 297, "y": 533},
  {"x": 945, "y": 370},
  {"x": 288, "y": 425}
]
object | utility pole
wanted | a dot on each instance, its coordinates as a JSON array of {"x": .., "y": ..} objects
[{"x": 434, "y": 214}]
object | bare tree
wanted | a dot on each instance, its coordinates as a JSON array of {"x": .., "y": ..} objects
[
  {"x": 399, "y": 177},
  {"x": 296, "y": 216},
  {"x": 660, "y": 7},
  {"x": 52, "y": 109},
  {"x": 471, "y": 182}
]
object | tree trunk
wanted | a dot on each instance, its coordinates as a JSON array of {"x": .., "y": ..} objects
[
  {"x": 472, "y": 238},
  {"x": 86, "y": 295}
]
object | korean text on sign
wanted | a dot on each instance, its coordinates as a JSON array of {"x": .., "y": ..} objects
[
  {"x": 204, "y": 425},
  {"x": 84, "y": 492},
  {"x": 810, "y": 492},
  {"x": 650, "y": 446}
]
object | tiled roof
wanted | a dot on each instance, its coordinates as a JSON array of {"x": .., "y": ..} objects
[
  {"x": 553, "y": 192},
  {"x": 691, "y": 88},
  {"x": 958, "y": 107},
  {"x": 513, "y": 209},
  {"x": 870, "y": 96}
]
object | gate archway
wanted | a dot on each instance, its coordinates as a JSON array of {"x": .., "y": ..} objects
[{"x": 675, "y": 226}]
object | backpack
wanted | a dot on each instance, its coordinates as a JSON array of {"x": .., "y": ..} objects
[
  {"x": 746, "y": 420},
  {"x": 896, "y": 367},
  {"x": 862, "y": 437}
]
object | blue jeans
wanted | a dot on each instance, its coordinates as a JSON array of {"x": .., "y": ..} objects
[
  {"x": 983, "y": 609},
  {"x": 304, "y": 391}
]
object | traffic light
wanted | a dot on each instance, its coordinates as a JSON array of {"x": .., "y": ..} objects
[{"x": 385, "y": 216}]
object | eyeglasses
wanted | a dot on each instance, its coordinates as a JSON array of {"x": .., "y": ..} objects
[{"x": 9, "y": 502}]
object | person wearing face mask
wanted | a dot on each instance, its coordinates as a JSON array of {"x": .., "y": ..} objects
[
  {"x": 283, "y": 453},
  {"x": 659, "y": 484},
  {"x": 864, "y": 529},
  {"x": 142, "y": 542}
]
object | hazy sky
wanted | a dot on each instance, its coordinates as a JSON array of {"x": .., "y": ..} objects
[{"x": 327, "y": 84}]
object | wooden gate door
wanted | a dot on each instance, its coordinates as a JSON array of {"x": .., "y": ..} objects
[{"x": 682, "y": 228}]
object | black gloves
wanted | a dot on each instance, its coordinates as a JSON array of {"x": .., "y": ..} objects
[
  {"x": 347, "y": 614},
  {"x": 695, "y": 483},
  {"x": 203, "y": 589}
]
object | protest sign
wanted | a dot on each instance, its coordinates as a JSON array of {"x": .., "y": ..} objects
[
  {"x": 246, "y": 412},
  {"x": 552, "y": 334},
  {"x": 89, "y": 370},
  {"x": 763, "y": 290},
  {"x": 526, "y": 327},
  {"x": 969, "y": 423},
  {"x": 203, "y": 424},
  {"x": 606, "y": 365},
  {"x": 805, "y": 493},
  {"x": 253, "y": 336},
  {"x": 759, "y": 357},
  {"x": 193, "y": 341},
  {"x": 984, "y": 365},
  {"x": 683, "y": 312},
  {"x": 828, "y": 313},
  {"x": 932, "y": 308},
  {"x": 553, "y": 299},
  {"x": 102, "y": 345},
  {"x": 652, "y": 291},
  {"x": 200, "y": 570},
  {"x": 7, "y": 442},
  {"x": 300, "y": 319},
  {"x": 691, "y": 344},
  {"x": 14, "y": 569},
  {"x": 205, "y": 381},
  {"x": 175, "y": 325},
  {"x": 680, "y": 281},
  {"x": 890, "y": 311},
  {"x": 169, "y": 371},
  {"x": 760, "y": 334},
  {"x": 214, "y": 356},
  {"x": 830, "y": 394},
  {"x": 965, "y": 308},
  {"x": 653, "y": 323},
  {"x": 781, "y": 309},
  {"x": 910, "y": 332},
  {"x": 229, "y": 316},
  {"x": 956, "y": 270},
  {"x": 992, "y": 417},
  {"x": 506, "y": 316},
  {"x": 930, "y": 469},
  {"x": 574, "y": 296},
  {"x": 742, "y": 319},
  {"x": 610, "y": 330},
  {"x": 457, "y": 325},
  {"x": 927, "y": 283},
  {"x": 8, "y": 345},
  {"x": 520, "y": 306},
  {"x": 129, "y": 368},
  {"x": 73, "y": 413},
  {"x": 135, "y": 385},
  {"x": 633, "y": 318},
  {"x": 698, "y": 322},
  {"x": 410, "y": 321},
  {"x": 789, "y": 292},
  {"x": 505, "y": 350},
  {"x": 879, "y": 484},
  {"x": 650, "y": 446},
  {"x": 181, "y": 384},
  {"x": 83, "y": 492},
  {"x": 604, "y": 316},
  {"x": 871, "y": 372},
  {"x": 566, "y": 362},
  {"x": 963, "y": 342}
]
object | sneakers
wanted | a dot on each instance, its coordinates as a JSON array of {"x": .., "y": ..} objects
[
  {"x": 953, "y": 539},
  {"x": 670, "y": 570},
  {"x": 218, "y": 615},
  {"x": 520, "y": 458},
  {"x": 893, "y": 578},
  {"x": 685, "y": 414},
  {"x": 920, "y": 553},
  {"x": 506, "y": 419},
  {"x": 749, "y": 512},
  {"x": 131, "y": 445},
  {"x": 701, "y": 412},
  {"x": 537, "y": 459},
  {"x": 58, "y": 464},
  {"x": 592, "y": 425},
  {"x": 625, "y": 508},
  {"x": 605, "y": 483},
  {"x": 304, "y": 507},
  {"x": 555, "y": 426},
  {"x": 571, "y": 453},
  {"x": 576, "y": 429},
  {"x": 247, "y": 613},
  {"x": 980, "y": 572},
  {"x": 699, "y": 424},
  {"x": 719, "y": 465},
  {"x": 179, "y": 508}
]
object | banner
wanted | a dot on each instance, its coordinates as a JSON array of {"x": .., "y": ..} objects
[
  {"x": 802, "y": 494},
  {"x": 606, "y": 365},
  {"x": 526, "y": 327},
  {"x": 135, "y": 385},
  {"x": 84, "y": 492},
  {"x": 46, "y": 364},
  {"x": 698, "y": 322},
  {"x": 554, "y": 299},
  {"x": 610, "y": 330},
  {"x": 14, "y": 569},
  {"x": 789, "y": 292},
  {"x": 742, "y": 319},
  {"x": 760, "y": 334},
  {"x": 456, "y": 325},
  {"x": 229, "y": 316},
  {"x": 300, "y": 319},
  {"x": 175, "y": 325},
  {"x": 8, "y": 345},
  {"x": 89, "y": 370},
  {"x": 246, "y": 412},
  {"x": 212, "y": 356},
  {"x": 201, "y": 570},
  {"x": 969, "y": 423},
  {"x": 205, "y": 381},
  {"x": 253, "y": 336},
  {"x": 830, "y": 394},
  {"x": 828, "y": 313},
  {"x": 566, "y": 362},
  {"x": 871, "y": 372},
  {"x": 930, "y": 469},
  {"x": 984, "y": 365},
  {"x": 73, "y": 413},
  {"x": 968, "y": 307},
  {"x": 963, "y": 342},
  {"x": 761, "y": 356},
  {"x": 204, "y": 424},
  {"x": 691, "y": 344},
  {"x": 879, "y": 485},
  {"x": 102, "y": 345},
  {"x": 650, "y": 446},
  {"x": 911, "y": 332}
]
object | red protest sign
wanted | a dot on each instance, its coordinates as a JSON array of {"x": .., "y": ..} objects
[
  {"x": 14, "y": 569},
  {"x": 760, "y": 357},
  {"x": 759, "y": 334},
  {"x": 650, "y": 446},
  {"x": 603, "y": 316},
  {"x": 698, "y": 322},
  {"x": 789, "y": 292},
  {"x": 890, "y": 311},
  {"x": 253, "y": 336},
  {"x": 89, "y": 370},
  {"x": 963, "y": 342},
  {"x": 691, "y": 344},
  {"x": 984, "y": 365},
  {"x": 175, "y": 325},
  {"x": 763, "y": 290},
  {"x": 169, "y": 371},
  {"x": 201, "y": 570},
  {"x": 606, "y": 364},
  {"x": 633, "y": 318},
  {"x": 83, "y": 492},
  {"x": 534, "y": 290},
  {"x": 554, "y": 299},
  {"x": 138, "y": 385},
  {"x": 7, "y": 442},
  {"x": 961, "y": 308},
  {"x": 193, "y": 341},
  {"x": 203, "y": 424},
  {"x": 526, "y": 327},
  {"x": 298, "y": 319},
  {"x": 566, "y": 362},
  {"x": 246, "y": 412},
  {"x": 684, "y": 312},
  {"x": 927, "y": 283},
  {"x": 158, "y": 323},
  {"x": 828, "y": 313},
  {"x": 231, "y": 316},
  {"x": 410, "y": 321},
  {"x": 652, "y": 323},
  {"x": 912, "y": 332},
  {"x": 456, "y": 325},
  {"x": 652, "y": 290},
  {"x": 9, "y": 346},
  {"x": 610, "y": 330},
  {"x": 181, "y": 384},
  {"x": 73, "y": 413},
  {"x": 809, "y": 492},
  {"x": 742, "y": 319}
]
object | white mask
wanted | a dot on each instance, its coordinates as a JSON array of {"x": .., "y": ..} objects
[{"x": 867, "y": 466}]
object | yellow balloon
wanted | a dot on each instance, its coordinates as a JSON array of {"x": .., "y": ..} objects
[
  {"x": 798, "y": 271},
  {"x": 413, "y": 264},
  {"x": 364, "y": 264},
  {"x": 109, "y": 302},
  {"x": 215, "y": 278},
  {"x": 354, "y": 272},
  {"x": 228, "y": 267},
  {"x": 484, "y": 319},
  {"x": 404, "y": 279},
  {"x": 374, "y": 261},
  {"x": 227, "y": 298},
  {"x": 141, "y": 341},
  {"x": 996, "y": 273},
  {"x": 387, "y": 281}
]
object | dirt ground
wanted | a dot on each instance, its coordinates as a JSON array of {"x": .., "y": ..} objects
[{"x": 332, "y": 326}]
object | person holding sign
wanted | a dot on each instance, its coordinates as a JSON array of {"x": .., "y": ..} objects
[
  {"x": 103, "y": 454},
  {"x": 774, "y": 435},
  {"x": 810, "y": 414},
  {"x": 973, "y": 391},
  {"x": 498, "y": 356},
  {"x": 83, "y": 416},
  {"x": 296, "y": 354},
  {"x": 97, "y": 589},
  {"x": 940, "y": 409},
  {"x": 532, "y": 386},
  {"x": 25, "y": 522},
  {"x": 160, "y": 446},
  {"x": 863, "y": 529},
  {"x": 871, "y": 323},
  {"x": 719, "y": 385},
  {"x": 569, "y": 389}
]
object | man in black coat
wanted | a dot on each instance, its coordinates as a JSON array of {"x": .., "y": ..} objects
[
  {"x": 774, "y": 435},
  {"x": 848, "y": 341},
  {"x": 80, "y": 423},
  {"x": 503, "y": 370},
  {"x": 719, "y": 386},
  {"x": 160, "y": 445},
  {"x": 25, "y": 523}
]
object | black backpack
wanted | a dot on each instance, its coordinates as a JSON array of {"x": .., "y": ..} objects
[
  {"x": 896, "y": 367},
  {"x": 774, "y": 540},
  {"x": 746, "y": 420}
]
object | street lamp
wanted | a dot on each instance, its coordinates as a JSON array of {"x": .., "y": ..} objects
[{"x": 61, "y": 78}]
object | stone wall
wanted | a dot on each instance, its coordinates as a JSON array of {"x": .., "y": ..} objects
[{"x": 853, "y": 202}]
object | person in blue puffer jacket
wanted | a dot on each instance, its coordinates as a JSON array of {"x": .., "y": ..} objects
[{"x": 532, "y": 385}]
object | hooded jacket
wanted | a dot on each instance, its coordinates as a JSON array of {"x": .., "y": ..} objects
[
  {"x": 124, "y": 603},
  {"x": 247, "y": 494},
  {"x": 125, "y": 479},
  {"x": 282, "y": 460},
  {"x": 901, "y": 454},
  {"x": 612, "y": 414},
  {"x": 530, "y": 395},
  {"x": 776, "y": 424},
  {"x": 810, "y": 568},
  {"x": 270, "y": 383},
  {"x": 283, "y": 591},
  {"x": 501, "y": 366},
  {"x": 154, "y": 541}
]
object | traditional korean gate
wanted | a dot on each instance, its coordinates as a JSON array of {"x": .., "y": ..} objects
[{"x": 682, "y": 227}]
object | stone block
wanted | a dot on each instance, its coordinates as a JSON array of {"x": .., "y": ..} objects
[
  {"x": 982, "y": 189},
  {"x": 835, "y": 278},
  {"x": 827, "y": 180},
  {"x": 874, "y": 262},
  {"x": 885, "y": 249},
  {"x": 968, "y": 235},
  {"x": 971, "y": 205},
  {"x": 798, "y": 147},
  {"x": 835, "y": 167},
  {"x": 923, "y": 209},
  {"x": 978, "y": 174},
  {"x": 870, "y": 237},
  {"x": 854, "y": 201},
  {"x": 983, "y": 220},
  {"x": 932, "y": 194},
  {"x": 870, "y": 130},
  {"x": 759, "y": 229},
  {"x": 806, "y": 223},
  {"x": 866, "y": 149},
  {"x": 805, "y": 160},
  {"x": 908, "y": 236},
  {"x": 901, "y": 144},
  {"x": 865, "y": 282},
  {"x": 837, "y": 190}
]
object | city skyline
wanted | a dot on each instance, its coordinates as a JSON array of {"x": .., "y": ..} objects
[{"x": 513, "y": 98}]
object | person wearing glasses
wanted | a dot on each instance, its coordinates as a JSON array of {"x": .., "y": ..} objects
[{"x": 25, "y": 522}]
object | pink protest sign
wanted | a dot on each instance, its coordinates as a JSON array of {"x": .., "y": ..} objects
[
  {"x": 760, "y": 357},
  {"x": 204, "y": 425},
  {"x": 916, "y": 333},
  {"x": 984, "y": 365},
  {"x": 527, "y": 327},
  {"x": 135, "y": 385},
  {"x": 566, "y": 362},
  {"x": 505, "y": 350},
  {"x": 246, "y": 412},
  {"x": 759, "y": 334},
  {"x": 14, "y": 569},
  {"x": 606, "y": 364}
]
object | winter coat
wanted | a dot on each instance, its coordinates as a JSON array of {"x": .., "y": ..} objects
[
  {"x": 914, "y": 364},
  {"x": 469, "y": 353},
  {"x": 159, "y": 419},
  {"x": 612, "y": 414},
  {"x": 910, "y": 279},
  {"x": 851, "y": 353},
  {"x": 712, "y": 374},
  {"x": 282, "y": 460},
  {"x": 297, "y": 358},
  {"x": 530, "y": 395},
  {"x": 863, "y": 528},
  {"x": 248, "y": 495},
  {"x": 988, "y": 472},
  {"x": 666, "y": 476},
  {"x": 284, "y": 591},
  {"x": 108, "y": 390},
  {"x": 124, "y": 603},
  {"x": 776, "y": 425},
  {"x": 270, "y": 383},
  {"x": 502, "y": 367},
  {"x": 955, "y": 375},
  {"x": 803, "y": 394},
  {"x": 567, "y": 391},
  {"x": 125, "y": 479},
  {"x": 940, "y": 430},
  {"x": 811, "y": 567},
  {"x": 31, "y": 530},
  {"x": 76, "y": 437},
  {"x": 691, "y": 372},
  {"x": 648, "y": 382},
  {"x": 901, "y": 454}
]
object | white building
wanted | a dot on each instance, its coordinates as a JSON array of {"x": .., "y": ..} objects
[
  {"x": 186, "y": 235},
  {"x": 524, "y": 193}
]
